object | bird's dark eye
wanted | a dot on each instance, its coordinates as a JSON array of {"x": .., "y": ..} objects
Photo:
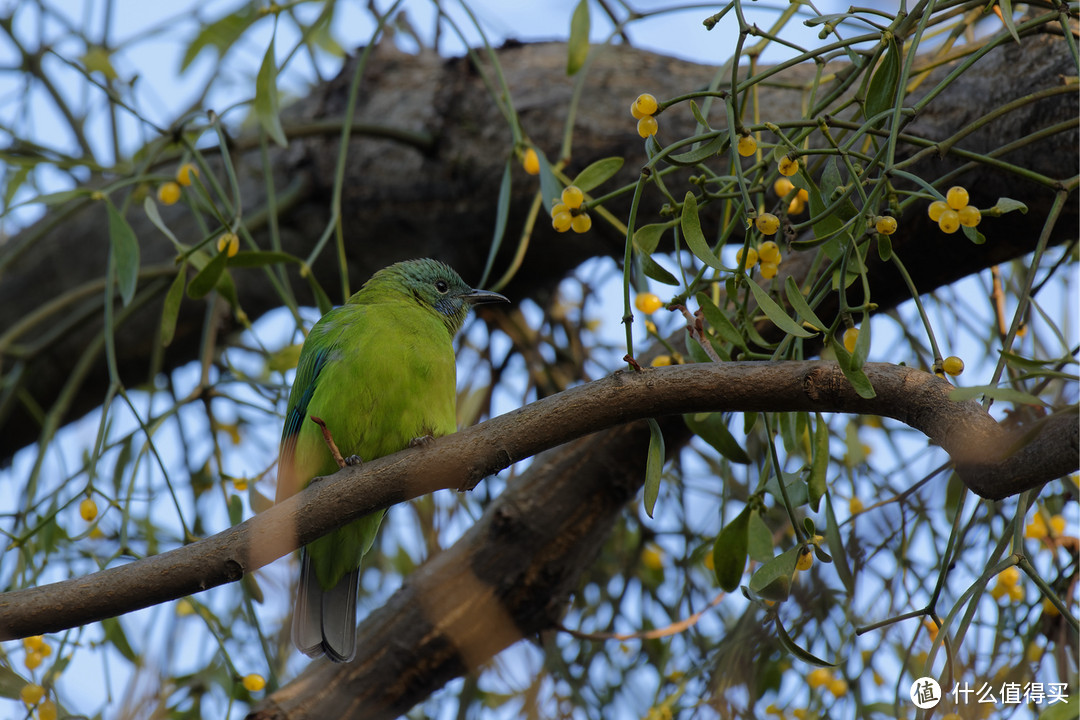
[{"x": 441, "y": 286}]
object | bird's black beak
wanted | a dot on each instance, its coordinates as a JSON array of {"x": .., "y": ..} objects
[{"x": 479, "y": 297}]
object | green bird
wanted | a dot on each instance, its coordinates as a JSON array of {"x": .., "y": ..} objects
[{"x": 379, "y": 372}]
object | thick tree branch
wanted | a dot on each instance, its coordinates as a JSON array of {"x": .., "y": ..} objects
[{"x": 992, "y": 461}]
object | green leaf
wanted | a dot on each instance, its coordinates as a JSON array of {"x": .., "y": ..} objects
[
  {"x": 115, "y": 635},
  {"x": 772, "y": 580},
  {"x": 695, "y": 240},
  {"x": 259, "y": 258},
  {"x": 250, "y": 584},
  {"x": 973, "y": 235},
  {"x": 776, "y": 314},
  {"x": 881, "y": 94},
  {"x": 693, "y": 157},
  {"x": 220, "y": 34},
  {"x": 647, "y": 237},
  {"x": 760, "y": 539},
  {"x": 819, "y": 464},
  {"x": 719, "y": 322},
  {"x": 266, "y": 98},
  {"x": 1004, "y": 394},
  {"x": 654, "y": 465},
  {"x": 597, "y": 173},
  {"x": 171, "y": 310},
  {"x": 654, "y": 271},
  {"x": 322, "y": 300},
  {"x": 825, "y": 226},
  {"x": 1007, "y": 205},
  {"x": 855, "y": 376},
  {"x": 208, "y": 277},
  {"x": 799, "y": 304},
  {"x": 11, "y": 683},
  {"x": 577, "y": 47},
  {"x": 320, "y": 33},
  {"x": 502, "y": 212},
  {"x": 125, "y": 253},
  {"x": 792, "y": 647},
  {"x": 862, "y": 343},
  {"x": 236, "y": 509},
  {"x": 550, "y": 187},
  {"x": 1007, "y": 18},
  {"x": 151, "y": 210},
  {"x": 729, "y": 551},
  {"x": 713, "y": 429},
  {"x": 836, "y": 547},
  {"x": 831, "y": 182},
  {"x": 884, "y": 247}
]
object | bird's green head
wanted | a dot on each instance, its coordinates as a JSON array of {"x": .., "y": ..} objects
[{"x": 433, "y": 285}]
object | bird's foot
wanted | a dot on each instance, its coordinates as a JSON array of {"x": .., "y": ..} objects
[
  {"x": 423, "y": 441},
  {"x": 354, "y": 461}
]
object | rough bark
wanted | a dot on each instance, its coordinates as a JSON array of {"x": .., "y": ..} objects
[{"x": 434, "y": 194}]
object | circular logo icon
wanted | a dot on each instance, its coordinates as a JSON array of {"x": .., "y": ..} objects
[{"x": 925, "y": 693}]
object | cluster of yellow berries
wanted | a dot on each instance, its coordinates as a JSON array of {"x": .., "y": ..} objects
[
  {"x": 1037, "y": 529},
  {"x": 783, "y": 187},
  {"x": 169, "y": 192},
  {"x": 823, "y": 677},
  {"x": 228, "y": 243},
  {"x": 36, "y": 651},
  {"x": 564, "y": 218},
  {"x": 954, "y": 211},
  {"x": 1008, "y": 583},
  {"x": 33, "y": 694},
  {"x": 642, "y": 109},
  {"x": 768, "y": 254}
]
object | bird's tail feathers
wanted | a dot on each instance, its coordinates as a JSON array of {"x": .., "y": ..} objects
[{"x": 324, "y": 621}]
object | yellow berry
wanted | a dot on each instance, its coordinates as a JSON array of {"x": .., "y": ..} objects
[
  {"x": 788, "y": 166},
  {"x": 851, "y": 335},
  {"x": 229, "y": 244},
  {"x": 168, "y": 193},
  {"x": 806, "y": 559},
  {"x": 557, "y": 208},
  {"x": 957, "y": 197},
  {"x": 936, "y": 208},
  {"x": 531, "y": 162},
  {"x": 838, "y": 687},
  {"x": 769, "y": 252},
  {"x": 33, "y": 660},
  {"x": 1034, "y": 653},
  {"x": 647, "y": 126},
  {"x": 648, "y": 303},
  {"x": 969, "y": 216},
  {"x": 855, "y": 506},
  {"x": 562, "y": 221},
  {"x": 952, "y": 365},
  {"x": 709, "y": 562},
  {"x": 1036, "y": 529},
  {"x": 650, "y": 327},
  {"x": 47, "y": 710},
  {"x": 31, "y": 694},
  {"x": 878, "y": 680},
  {"x": 45, "y": 650},
  {"x": 886, "y": 225},
  {"x": 998, "y": 591},
  {"x": 767, "y": 223},
  {"x": 33, "y": 643},
  {"x": 186, "y": 174},
  {"x": 797, "y": 205},
  {"x": 637, "y": 114},
  {"x": 184, "y": 607},
  {"x": 782, "y": 187},
  {"x": 799, "y": 713},
  {"x": 768, "y": 270},
  {"x": 652, "y": 556},
  {"x": 88, "y": 509},
  {"x": 1049, "y": 608},
  {"x": 645, "y": 104},
  {"x": 1016, "y": 592},
  {"x": 747, "y": 146},
  {"x": 572, "y": 197},
  {"x": 254, "y": 682},
  {"x": 931, "y": 628},
  {"x": 751, "y": 257},
  {"x": 818, "y": 677},
  {"x": 661, "y": 361},
  {"x": 581, "y": 223},
  {"x": 1057, "y": 524},
  {"x": 1009, "y": 576},
  {"x": 949, "y": 222},
  {"x": 240, "y": 484}
]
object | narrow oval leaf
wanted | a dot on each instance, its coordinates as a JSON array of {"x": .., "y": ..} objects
[
  {"x": 208, "y": 277},
  {"x": 819, "y": 463},
  {"x": 713, "y": 429},
  {"x": 259, "y": 258},
  {"x": 772, "y": 580},
  {"x": 693, "y": 157},
  {"x": 266, "y": 98},
  {"x": 836, "y": 545},
  {"x": 115, "y": 635},
  {"x": 597, "y": 173},
  {"x": 654, "y": 465},
  {"x": 502, "y": 212},
  {"x": 647, "y": 237},
  {"x": 760, "y": 539},
  {"x": 171, "y": 310},
  {"x": 695, "y": 240},
  {"x": 151, "y": 210},
  {"x": 577, "y": 47},
  {"x": 855, "y": 376},
  {"x": 799, "y": 304},
  {"x": 656, "y": 272},
  {"x": 776, "y": 314},
  {"x": 220, "y": 34},
  {"x": 125, "y": 253},
  {"x": 793, "y": 647},
  {"x": 884, "y": 247},
  {"x": 882, "y": 91},
  {"x": 729, "y": 551},
  {"x": 549, "y": 184},
  {"x": 719, "y": 322},
  {"x": 1005, "y": 205}
]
